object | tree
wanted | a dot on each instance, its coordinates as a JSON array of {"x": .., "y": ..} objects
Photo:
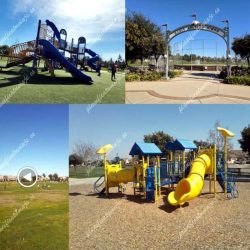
[
  {"x": 87, "y": 152},
  {"x": 111, "y": 61},
  {"x": 158, "y": 46},
  {"x": 55, "y": 176},
  {"x": 245, "y": 140},
  {"x": 160, "y": 139},
  {"x": 214, "y": 137},
  {"x": 202, "y": 144},
  {"x": 75, "y": 159},
  {"x": 143, "y": 38},
  {"x": 4, "y": 50},
  {"x": 50, "y": 177},
  {"x": 241, "y": 47},
  {"x": 119, "y": 59}
]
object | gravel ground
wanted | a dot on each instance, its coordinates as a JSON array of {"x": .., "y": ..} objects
[{"x": 126, "y": 222}]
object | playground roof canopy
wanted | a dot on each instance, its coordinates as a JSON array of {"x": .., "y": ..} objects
[
  {"x": 180, "y": 144},
  {"x": 143, "y": 148}
]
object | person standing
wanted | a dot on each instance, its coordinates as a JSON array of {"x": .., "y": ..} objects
[
  {"x": 99, "y": 67},
  {"x": 113, "y": 71}
]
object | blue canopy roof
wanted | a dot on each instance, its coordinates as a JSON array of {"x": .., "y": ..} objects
[
  {"x": 180, "y": 144},
  {"x": 142, "y": 148}
]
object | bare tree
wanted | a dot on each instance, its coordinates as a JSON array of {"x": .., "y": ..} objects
[
  {"x": 87, "y": 152},
  {"x": 214, "y": 137}
]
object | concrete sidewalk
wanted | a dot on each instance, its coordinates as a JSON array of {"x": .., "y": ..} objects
[
  {"x": 84, "y": 181},
  {"x": 191, "y": 87}
]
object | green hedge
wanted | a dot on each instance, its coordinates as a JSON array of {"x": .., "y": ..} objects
[
  {"x": 150, "y": 76},
  {"x": 240, "y": 80}
]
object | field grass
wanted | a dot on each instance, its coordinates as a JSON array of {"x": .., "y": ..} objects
[
  {"x": 37, "y": 218},
  {"x": 81, "y": 172},
  {"x": 42, "y": 88}
]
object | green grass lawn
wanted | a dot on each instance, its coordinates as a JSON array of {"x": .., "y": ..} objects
[
  {"x": 42, "y": 88},
  {"x": 42, "y": 220},
  {"x": 82, "y": 172}
]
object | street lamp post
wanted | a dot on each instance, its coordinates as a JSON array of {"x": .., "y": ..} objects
[
  {"x": 228, "y": 47},
  {"x": 166, "y": 56}
]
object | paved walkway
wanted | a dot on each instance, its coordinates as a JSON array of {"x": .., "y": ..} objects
[
  {"x": 191, "y": 88},
  {"x": 75, "y": 181}
]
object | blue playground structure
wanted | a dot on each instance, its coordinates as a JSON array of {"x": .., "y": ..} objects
[
  {"x": 54, "y": 48},
  {"x": 51, "y": 45},
  {"x": 172, "y": 168}
]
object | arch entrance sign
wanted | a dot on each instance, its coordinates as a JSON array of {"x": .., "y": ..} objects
[{"x": 197, "y": 26}]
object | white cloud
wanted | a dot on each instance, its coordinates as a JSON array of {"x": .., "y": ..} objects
[{"x": 89, "y": 18}]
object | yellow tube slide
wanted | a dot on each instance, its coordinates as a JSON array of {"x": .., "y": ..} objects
[
  {"x": 190, "y": 187},
  {"x": 116, "y": 176}
]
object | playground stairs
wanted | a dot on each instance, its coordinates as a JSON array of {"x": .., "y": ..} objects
[
  {"x": 231, "y": 186},
  {"x": 20, "y": 53}
]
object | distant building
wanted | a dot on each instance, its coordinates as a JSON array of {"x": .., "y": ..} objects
[{"x": 12, "y": 178}]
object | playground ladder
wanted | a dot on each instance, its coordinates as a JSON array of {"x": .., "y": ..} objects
[{"x": 231, "y": 186}]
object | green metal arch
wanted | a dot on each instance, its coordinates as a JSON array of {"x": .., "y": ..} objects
[{"x": 193, "y": 27}]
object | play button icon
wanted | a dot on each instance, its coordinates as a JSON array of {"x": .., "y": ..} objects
[{"x": 27, "y": 177}]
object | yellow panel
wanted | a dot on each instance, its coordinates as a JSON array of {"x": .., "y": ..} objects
[
  {"x": 104, "y": 149},
  {"x": 225, "y": 133}
]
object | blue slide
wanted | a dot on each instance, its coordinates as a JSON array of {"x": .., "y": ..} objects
[
  {"x": 91, "y": 62},
  {"x": 51, "y": 52}
]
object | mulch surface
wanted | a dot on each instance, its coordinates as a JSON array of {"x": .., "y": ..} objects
[{"x": 128, "y": 222}]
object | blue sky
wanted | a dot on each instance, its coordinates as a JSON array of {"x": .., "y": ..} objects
[
  {"x": 35, "y": 136},
  {"x": 101, "y": 22},
  {"x": 109, "y": 123},
  {"x": 177, "y": 13}
]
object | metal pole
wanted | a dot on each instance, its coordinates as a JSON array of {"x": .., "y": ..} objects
[
  {"x": 183, "y": 164},
  {"x": 143, "y": 177},
  {"x": 167, "y": 47},
  {"x": 182, "y": 51},
  {"x": 210, "y": 183},
  {"x": 228, "y": 50},
  {"x": 215, "y": 170},
  {"x": 34, "y": 66},
  {"x": 159, "y": 175},
  {"x": 203, "y": 47},
  {"x": 106, "y": 174},
  {"x": 216, "y": 55},
  {"x": 191, "y": 56},
  {"x": 225, "y": 164}
]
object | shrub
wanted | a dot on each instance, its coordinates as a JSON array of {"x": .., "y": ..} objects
[
  {"x": 132, "y": 77},
  {"x": 150, "y": 75},
  {"x": 175, "y": 73},
  {"x": 239, "y": 80},
  {"x": 235, "y": 71}
]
